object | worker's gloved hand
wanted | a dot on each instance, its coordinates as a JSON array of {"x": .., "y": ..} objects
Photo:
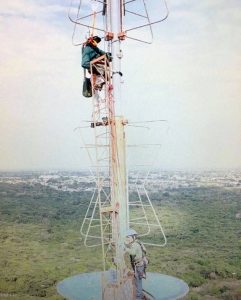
[{"x": 109, "y": 56}]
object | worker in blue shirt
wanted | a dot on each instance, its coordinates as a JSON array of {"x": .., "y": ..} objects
[{"x": 90, "y": 52}]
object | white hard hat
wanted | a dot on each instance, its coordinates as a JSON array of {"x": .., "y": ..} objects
[{"x": 131, "y": 232}]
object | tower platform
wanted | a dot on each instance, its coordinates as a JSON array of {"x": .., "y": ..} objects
[{"x": 87, "y": 286}]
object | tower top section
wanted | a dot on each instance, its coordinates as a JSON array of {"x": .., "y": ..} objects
[{"x": 136, "y": 19}]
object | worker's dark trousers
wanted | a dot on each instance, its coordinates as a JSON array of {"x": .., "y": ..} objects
[{"x": 138, "y": 279}]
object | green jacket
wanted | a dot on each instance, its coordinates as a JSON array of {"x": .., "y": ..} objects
[
  {"x": 89, "y": 53},
  {"x": 135, "y": 252}
]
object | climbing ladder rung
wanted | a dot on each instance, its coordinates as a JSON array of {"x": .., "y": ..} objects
[
  {"x": 146, "y": 224},
  {"x": 108, "y": 209},
  {"x": 95, "y": 166},
  {"x": 140, "y": 204},
  {"x": 141, "y": 218},
  {"x": 103, "y": 159},
  {"x": 98, "y": 59},
  {"x": 102, "y": 135},
  {"x": 98, "y": 225}
]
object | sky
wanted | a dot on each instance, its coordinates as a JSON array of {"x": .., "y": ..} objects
[{"x": 190, "y": 76}]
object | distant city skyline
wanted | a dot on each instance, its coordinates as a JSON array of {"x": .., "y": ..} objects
[
  {"x": 190, "y": 76},
  {"x": 159, "y": 180}
]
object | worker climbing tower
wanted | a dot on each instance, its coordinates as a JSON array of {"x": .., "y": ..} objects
[{"x": 107, "y": 218}]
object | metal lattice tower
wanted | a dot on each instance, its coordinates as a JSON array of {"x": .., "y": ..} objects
[{"x": 107, "y": 217}]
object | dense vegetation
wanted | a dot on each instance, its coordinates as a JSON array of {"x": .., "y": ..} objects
[{"x": 40, "y": 243}]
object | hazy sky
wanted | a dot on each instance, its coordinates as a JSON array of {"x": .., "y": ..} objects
[{"x": 190, "y": 76}]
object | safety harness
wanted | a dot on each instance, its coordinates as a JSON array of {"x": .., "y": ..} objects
[{"x": 143, "y": 261}]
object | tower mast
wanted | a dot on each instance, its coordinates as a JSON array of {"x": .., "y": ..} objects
[
  {"x": 118, "y": 171},
  {"x": 119, "y": 195}
]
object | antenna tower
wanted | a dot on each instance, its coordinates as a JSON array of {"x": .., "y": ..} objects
[{"x": 108, "y": 215}]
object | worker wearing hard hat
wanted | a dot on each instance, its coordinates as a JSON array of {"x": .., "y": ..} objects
[{"x": 135, "y": 249}]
